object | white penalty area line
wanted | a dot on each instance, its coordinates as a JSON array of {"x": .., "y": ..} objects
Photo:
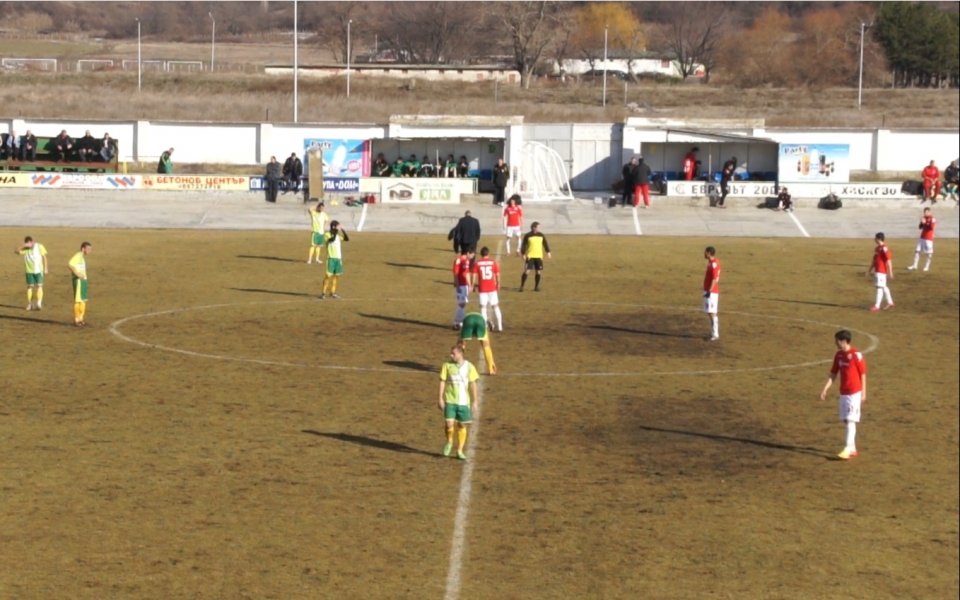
[
  {"x": 459, "y": 543},
  {"x": 799, "y": 225},
  {"x": 636, "y": 221}
]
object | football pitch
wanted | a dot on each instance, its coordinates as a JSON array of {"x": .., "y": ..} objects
[{"x": 217, "y": 431}]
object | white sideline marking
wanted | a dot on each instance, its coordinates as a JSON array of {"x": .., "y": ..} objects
[
  {"x": 363, "y": 217},
  {"x": 797, "y": 221},
  {"x": 636, "y": 221},
  {"x": 459, "y": 542}
]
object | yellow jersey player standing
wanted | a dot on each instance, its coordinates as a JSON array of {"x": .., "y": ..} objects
[
  {"x": 78, "y": 269},
  {"x": 332, "y": 241},
  {"x": 533, "y": 248},
  {"x": 318, "y": 220},
  {"x": 458, "y": 399},
  {"x": 35, "y": 262}
]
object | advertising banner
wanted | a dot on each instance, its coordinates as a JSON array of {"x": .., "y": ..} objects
[
  {"x": 239, "y": 183},
  {"x": 814, "y": 163},
  {"x": 767, "y": 189},
  {"x": 348, "y": 159},
  {"x": 425, "y": 190},
  {"x": 8, "y": 180}
]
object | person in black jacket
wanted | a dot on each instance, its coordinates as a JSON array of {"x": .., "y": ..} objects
[
  {"x": 726, "y": 174},
  {"x": 63, "y": 147},
  {"x": 501, "y": 173},
  {"x": 466, "y": 234},
  {"x": 272, "y": 178},
  {"x": 381, "y": 168},
  {"x": 292, "y": 170},
  {"x": 642, "y": 188},
  {"x": 87, "y": 147},
  {"x": 629, "y": 180}
]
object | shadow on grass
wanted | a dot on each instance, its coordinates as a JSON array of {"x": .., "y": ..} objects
[
  {"x": 412, "y": 365},
  {"x": 413, "y": 266},
  {"x": 31, "y": 320},
  {"x": 279, "y": 292},
  {"x": 276, "y": 258},
  {"x": 402, "y": 320},
  {"x": 638, "y": 331},
  {"x": 370, "y": 442},
  {"x": 810, "y": 302},
  {"x": 727, "y": 438}
]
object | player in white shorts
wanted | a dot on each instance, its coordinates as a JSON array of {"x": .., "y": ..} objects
[
  {"x": 928, "y": 224},
  {"x": 711, "y": 291},
  {"x": 513, "y": 221},
  {"x": 486, "y": 278}
]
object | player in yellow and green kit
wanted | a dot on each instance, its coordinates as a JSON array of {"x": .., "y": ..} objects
[
  {"x": 318, "y": 220},
  {"x": 35, "y": 262},
  {"x": 332, "y": 240},
  {"x": 458, "y": 399},
  {"x": 533, "y": 248},
  {"x": 474, "y": 327},
  {"x": 78, "y": 269}
]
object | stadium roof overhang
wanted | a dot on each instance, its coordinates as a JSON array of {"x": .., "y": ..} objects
[{"x": 704, "y": 136}]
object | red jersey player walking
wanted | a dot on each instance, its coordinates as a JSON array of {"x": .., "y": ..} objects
[
  {"x": 462, "y": 282},
  {"x": 711, "y": 291},
  {"x": 848, "y": 362},
  {"x": 928, "y": 223},
  {"x": 513, "y": 222},
  {"x": 881, "y": 268},
  {"x": 486, "y": 281}
]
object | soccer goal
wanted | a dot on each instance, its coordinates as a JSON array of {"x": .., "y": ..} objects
[
  {"x": 94, "y": 64},
  {"x": 29, "y": 64},
  {"x": 542, "y": 175}
]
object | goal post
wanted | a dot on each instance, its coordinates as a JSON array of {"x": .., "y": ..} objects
[{"x": 542, "y": 174}]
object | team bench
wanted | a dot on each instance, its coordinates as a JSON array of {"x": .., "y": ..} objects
[{"x": 46, "y": 159}]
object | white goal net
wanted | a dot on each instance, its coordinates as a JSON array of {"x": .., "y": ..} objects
[
  {"x": 29, "y": 64},
  {"x": 542, "y": 175}
]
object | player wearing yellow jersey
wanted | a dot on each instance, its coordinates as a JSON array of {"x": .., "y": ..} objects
[
  {"x": 35, "y": 262},
  {"x": 318, "y": 220},
  {"x": 78, "y": 269},
  {"x": 458, "y": 399},
  {"x": 474, "y": 327},
  {"x": 533, "y": 249},
  {"x": 332, "y": 241}
]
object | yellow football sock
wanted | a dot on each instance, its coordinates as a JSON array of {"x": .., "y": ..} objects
[
  {"x": 39, "y": 296},
  {"x": 77, "y": 312},
  {"x": 83, "y": 310},
  {"x": 29, "y": 296},
  {"x": 449, "y": 432},
  {"x": 326, "y": 285},
  {"x": 488, "y": 355},
  {"x": 461, "y": 437},
  {"x": 333, "y": 286}
]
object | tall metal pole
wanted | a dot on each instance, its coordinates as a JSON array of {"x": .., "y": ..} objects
[
  {"x": 349, "y": 22},
  {"x": 213, "y": 42},
  {"x": 296, "y": 62},
  {"x": 860, "y": 84},
  {"x": 139, "y": 61},
  {"x": 605, "y": 30}
]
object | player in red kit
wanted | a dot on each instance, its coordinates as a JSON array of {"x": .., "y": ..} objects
[
  {"x": 513, "y": 222},
  {"x": 881, "y": 268},
  {"x": 690, "y": 164},
  {"x": 931, "y": 182},
  {"x": 928, "y": 223},
  {"x": 462, "y": 282},
  {"x": 486, "y": 280},
  {"x": 711, "y": 291},
  {"x": 849, "y": 364}
]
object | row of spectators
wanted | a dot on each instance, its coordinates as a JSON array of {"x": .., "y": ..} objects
[
  {"x": 421, "y": 168},
  {"x": 62, "y": 148}
]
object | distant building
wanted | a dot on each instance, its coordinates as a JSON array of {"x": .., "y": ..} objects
[
  {"x": 625, "y": 64},
  {"x": 467, "y": 73}
]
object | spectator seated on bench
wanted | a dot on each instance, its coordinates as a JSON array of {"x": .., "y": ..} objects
[
  {"x": 87, "y": 147},
  {"x": 28, "y": 146},
  {"x": 10, "y": 146},
  {"x": 107, "y": 148},
  {"x": 63, "y": 147}
]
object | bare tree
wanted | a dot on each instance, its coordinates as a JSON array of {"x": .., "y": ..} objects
[
  {"x": 530, "y": 27},
  {"x": 430, "y": 32},
  {"x": 693, "y": 33}
]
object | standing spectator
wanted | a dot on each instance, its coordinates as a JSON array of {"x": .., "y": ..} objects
[
  {"x": 849, "y": 363},
  {"x": 108, "y": 148},
  {"x": 711, "y": 291},
  {"x": 513, "y": 221},
  {"x": 501, "y": 173},
  {"x": 784, "y": 200},
  {"x": 458, "y": 399},
  {"x": 28, "y": 147},
  {"x": 533, "y": 249},
  {"x": 381, "y": 168},
  {"x": 463, "y": 167},
  {"x": 318, "y": 223},
  {"x": 642, "y": 186},
  {"x": 35, "y": 263},
  {"x": 726, "y": 174},
  {"x": 486, "y": 281},
  {"x": 62, "y": 146},
  {"x": 951, "y": 181},
  {"x": 331, "y": 278},
  {"x": 10, "y": 146},
  {"x": 165, "y": 164},
  {"x": 881, "y": 268},
  {"x": 928, "y": 223},
  {"x": 629, "y": 181},
  {"x": 87, "y": 147},
  {"x": 450, "y": 167},
  {"x": 462, "y": 282},
  {"x": 292, "y": 171},
  {"x": 78, "y": 272},
  {"x": 690, "y": 164},
  {"x": 466, "y": 233},
  {"x": 931, "y": 182},
  {"x": 272, "y": 178}
]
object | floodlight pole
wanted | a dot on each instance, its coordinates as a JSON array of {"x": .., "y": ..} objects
[
  {"x": 349, "y": 22},
  {"x": 605, "y": 31},
  {"x": 860, "y": 83},
  {"x": 139, "y": 61},
  {"x": 296, "y": 61},
  {"x": 213, "y": 41}
]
